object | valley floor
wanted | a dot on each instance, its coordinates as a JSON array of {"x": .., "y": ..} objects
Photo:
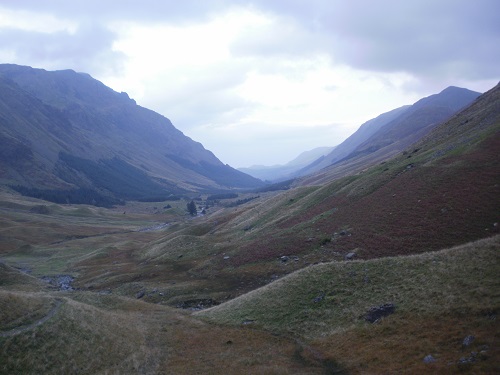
[{"x": 123, "y": 312}]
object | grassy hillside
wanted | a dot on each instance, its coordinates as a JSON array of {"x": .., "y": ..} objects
[
  {"x": 103, "y": 327},
  {"x": 309, "y": 322},
  {"x": 90, "y": 333},
  {"x": 441, "y": 192},
  {"x": 439, "y": 297}
]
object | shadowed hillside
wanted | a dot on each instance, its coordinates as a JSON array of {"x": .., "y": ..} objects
[{"x": 63, "y": 131}]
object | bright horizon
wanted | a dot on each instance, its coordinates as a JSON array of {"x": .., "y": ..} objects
[{"x": 259, "y": 82}]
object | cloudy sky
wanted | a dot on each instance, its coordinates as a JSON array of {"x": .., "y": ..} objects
[{"x": 258, "y": 82}]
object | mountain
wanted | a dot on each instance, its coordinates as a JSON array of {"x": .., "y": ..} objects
[
  {"x": 391, "y": 132},
  {"x": 393, "y": 269},
  {"x": 439, "y": 192},
  {"x": 64, "y": 132},
  {"x": 286, "y": 171},
  {"x": 364, "y": 132}
]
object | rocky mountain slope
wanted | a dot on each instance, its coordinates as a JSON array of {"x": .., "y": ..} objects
[{"x": 65, "y": 131}]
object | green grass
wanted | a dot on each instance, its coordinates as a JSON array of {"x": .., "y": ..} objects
[
  {"x": 428, "y": 284},
  {"x": 92, "y": 333},
  {"x": 19, "y": 309}
]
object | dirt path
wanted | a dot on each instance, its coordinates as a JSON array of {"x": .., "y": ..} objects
[{"x": 18, "y": 330}]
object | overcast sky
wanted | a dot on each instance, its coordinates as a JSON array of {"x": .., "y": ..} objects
[{"x": 258, "y": 82}]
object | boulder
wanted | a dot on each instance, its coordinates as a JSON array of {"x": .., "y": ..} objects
[
  {"x": 350, "y": 256},
  {"x": 284, "y": 259},
  {"x": 319, "y": 297},
  {"x": 377, "y": 312},
  {"x": 429, "y": 359},
  {"x": 468, "y": 340},
  {"x": 140, "y": 294}
]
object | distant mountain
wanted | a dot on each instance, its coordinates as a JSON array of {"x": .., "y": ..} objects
[
  {"x": 390, "y": 133},
  {"x": 364, "y": 132},
  {"x": 64, "y": 133},
  {"x": 288, "y": 170}
]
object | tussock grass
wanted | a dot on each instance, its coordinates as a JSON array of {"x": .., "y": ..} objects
[
  {"x": 399, "y": 344},
  {"x": 182, "y": 246},
  {"x": 12, "y": 279},
  {"x": 92, "y": 333},
  {"x": 79, "y": 339},
  {"x": 20, "y": 309},
  {"x": 440, "y": 298},
  {"x": 464, "y": 278}
]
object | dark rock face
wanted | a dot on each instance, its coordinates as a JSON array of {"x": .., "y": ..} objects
[{"x": 377, "y": 312}]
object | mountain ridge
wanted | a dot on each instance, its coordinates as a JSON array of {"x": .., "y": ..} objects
[
  {"x": 47, "y": 115},
  {"x": 388, "y": 134}
]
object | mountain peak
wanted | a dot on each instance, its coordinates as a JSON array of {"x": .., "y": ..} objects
[{"x": 455, "y": 90}]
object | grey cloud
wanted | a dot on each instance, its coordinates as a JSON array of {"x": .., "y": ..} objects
[
  {"x": 201, "y": 108},
  {"x": 427, "y": 38},
  {"x": 424, "y": 37},
  {"x": 286, "y": 39},
  {"x": 88, "y": 49},
  {"x": 144, "y": 10},
  {"x": 208, "y": 98}
]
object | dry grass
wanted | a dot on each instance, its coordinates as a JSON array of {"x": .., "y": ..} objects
[
  {"x": 435, "y": 282},
  {"x": 440, "y": 298},
  {"x": 20, "y": 309},
  {"x": 400, "y": 343},
  {"x": 104, "y": 334},
  {"x": 79, "y": 339}
]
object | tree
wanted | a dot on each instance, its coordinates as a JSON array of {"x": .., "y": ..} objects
[{"x": 191, "y": 207}]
